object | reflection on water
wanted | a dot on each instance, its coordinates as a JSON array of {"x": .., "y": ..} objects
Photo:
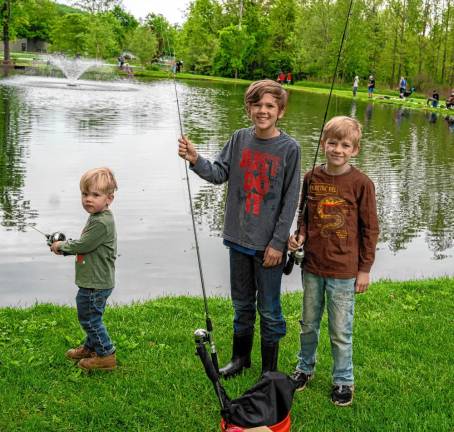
[{"x": 49, "y": 135}]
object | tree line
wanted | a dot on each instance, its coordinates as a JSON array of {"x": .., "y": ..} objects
[{"x": 254, "y": 39}]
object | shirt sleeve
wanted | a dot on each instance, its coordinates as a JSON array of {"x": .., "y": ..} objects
[
  {"x": 216, "y": 172},
  {"x": 289, "y": 202},
  {"x": 93, "y": 235},
  {"x": 369, "y": 229}
]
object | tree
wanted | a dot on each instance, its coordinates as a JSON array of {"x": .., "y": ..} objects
[
  {"x": 101, "y": 41},
  {"x": 234, "y": 43},
  {"x": 143, "y": 44},
  {"x": 69, "y": 34},
  {"x": 164, "y": 33},
  {"x": 6, "y": 18},
  {"x": 198, "y": 39}
]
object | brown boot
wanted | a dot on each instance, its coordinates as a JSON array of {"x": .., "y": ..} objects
[
  {"x": 96, "y": 362},
  {"x": 78, "y": 353}
]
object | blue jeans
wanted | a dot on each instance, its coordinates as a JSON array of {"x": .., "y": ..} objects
[
  {"x": 254, "y": 287},
  {"x": 340, "y": 298},
  {"x": 91, "y": 304}
]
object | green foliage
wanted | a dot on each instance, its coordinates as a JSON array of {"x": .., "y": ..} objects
[
  {"x": 101, "y": 37},
  {"x": 143, "y": 44},
  {"x": 164, "y": 32},
  {"x": 403, "y": 355},
  {"x": 69, "y": 34},
  {"x": 198, "y": 38},
  {"x": 234, "y": 44}
]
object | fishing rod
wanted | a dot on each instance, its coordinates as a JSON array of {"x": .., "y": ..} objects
[
  {"x": 297, "y": 256},
  {"x": 209, "y": 324},
  {"x": 51, "y": 238}
]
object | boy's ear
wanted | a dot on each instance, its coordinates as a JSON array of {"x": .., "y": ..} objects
[
  {"x": 356, "y": 151},
  {"x": 281, "y": 113},
  {"x": 110, "y": 198}
]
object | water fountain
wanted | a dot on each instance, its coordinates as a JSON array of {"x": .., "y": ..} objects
[{"x": 72, "y": 68}]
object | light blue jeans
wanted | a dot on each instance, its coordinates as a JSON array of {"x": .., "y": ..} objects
[{"x": 340, "y": 299}]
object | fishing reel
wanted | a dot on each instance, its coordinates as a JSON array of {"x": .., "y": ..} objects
[
  {"x": 56, "y": 236},
  {"x": 201, "y": 336},
  {"x": 295, "y": 257}
]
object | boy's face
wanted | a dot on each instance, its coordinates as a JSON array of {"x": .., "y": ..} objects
[
  {"x": 338, "y": 152},
  {"x": 264, "y": 114},
  {"x": 94, "y": 201}
]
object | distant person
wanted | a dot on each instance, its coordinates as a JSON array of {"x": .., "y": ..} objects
[
  {"x": 261, "y": 164},
  {"x": 289, "y": 78},
  {"x": 179, "y": 65},
  {"x": 281, "y": 77},
  {"x": 128, "y": 69},
  {"x": 95, "y": 251},
  {"x": 402, "y": 87},
  {"x": 371, "y": 86},
  {"x": 121, "y": 61},
  {"x": 338, "y": 255},
  {"x": 355, "y": 85},
  {"x": 450, "y": 101},
  {"x": 434, "y": 100}
]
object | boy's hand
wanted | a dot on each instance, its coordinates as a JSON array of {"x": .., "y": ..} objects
[
  {"x": 295, "y": 241},
  {"x": 55, "y": 248},
  {"x": 362, "y": 282},
  {"x": 272, "y": 257},
  {"x": 186, "y": 150}
]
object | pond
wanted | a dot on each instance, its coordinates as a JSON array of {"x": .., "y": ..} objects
[{"x": 51, "y": 133}]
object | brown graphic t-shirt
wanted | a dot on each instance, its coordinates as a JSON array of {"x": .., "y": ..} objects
[{"x": 340, "y": 224}]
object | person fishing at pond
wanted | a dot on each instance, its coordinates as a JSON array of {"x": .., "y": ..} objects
[
  {"x": 434, "y": 100},
  {"x": 338, "y": 226},
  {"x": 355, "y": 85},
  {"x": 371, "y": 86},
  {"x": 262, "y": 167},
  {"x": 95, "y": 252},
  {"x": 450, "y": 101},
  {"x": 402, "y": 87}
]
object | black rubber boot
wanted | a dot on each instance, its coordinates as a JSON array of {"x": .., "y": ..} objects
[
  {"x": 269, "y": 356},
  {"x": 241, "y": 356}
]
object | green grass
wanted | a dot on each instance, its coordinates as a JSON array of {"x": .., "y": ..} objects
[{"x": 403, "y": 354}]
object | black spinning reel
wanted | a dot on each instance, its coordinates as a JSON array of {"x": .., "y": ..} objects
[
  {"x": 295, "y": 257},
  {"x": 56, "y": 236}
]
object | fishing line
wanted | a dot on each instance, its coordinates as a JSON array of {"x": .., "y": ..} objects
[
  {"x": 327, "y": 105},
  {"x": 296, "y": 257},
  {"x": 209, "y": 324}
]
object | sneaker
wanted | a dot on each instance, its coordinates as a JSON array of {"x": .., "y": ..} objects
[
  {"x": 300, "y": 379},
  {"x": 97, "y": 362},
  {"x": 342, "y": 395},
  {"x": 78, "y": 353}
]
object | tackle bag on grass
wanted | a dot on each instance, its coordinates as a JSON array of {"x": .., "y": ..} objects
[{"x": 267, "y": 403}]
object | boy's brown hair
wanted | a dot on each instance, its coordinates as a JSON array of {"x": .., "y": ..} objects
[
  {"x": 257, "y": 89},
  {"x": 343, "y": 127},
  {"x": 101, "y": 179}
]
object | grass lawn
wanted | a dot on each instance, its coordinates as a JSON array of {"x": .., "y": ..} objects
[{"x": 403, "y": 354}]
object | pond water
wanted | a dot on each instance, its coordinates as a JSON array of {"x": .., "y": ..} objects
[{"x": 51, "y": 133}]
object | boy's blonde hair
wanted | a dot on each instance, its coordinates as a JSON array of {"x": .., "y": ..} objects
[
  {"x": 257, "y": 89},
  {"x": 343, "y": 127},
  {"x": 101, "y": 179}
]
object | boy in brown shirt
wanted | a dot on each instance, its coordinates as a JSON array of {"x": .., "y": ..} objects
[{"x": 339, "y": 229}]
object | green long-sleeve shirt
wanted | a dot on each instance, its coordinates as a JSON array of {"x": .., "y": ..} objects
[{"x": 95, "y": 252}]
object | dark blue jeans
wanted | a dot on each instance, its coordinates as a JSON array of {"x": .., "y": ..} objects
[
  {"x": 91, "y": 304},
  {"x": 254, "y": 287}
]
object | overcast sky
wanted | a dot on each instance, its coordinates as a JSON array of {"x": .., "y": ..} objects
[{"x": 173, "y": 10}]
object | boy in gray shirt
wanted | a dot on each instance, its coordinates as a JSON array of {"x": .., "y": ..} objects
[
  {"x": 95, "y": 251},
  {"x": 262, "y": 167}
]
